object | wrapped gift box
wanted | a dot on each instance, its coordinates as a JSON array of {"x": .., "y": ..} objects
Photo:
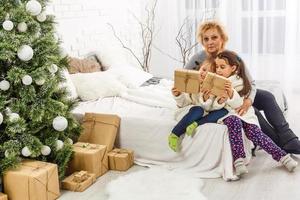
[
  {"x": 3, "y": 196},
  {"x": 33, "y": 180},
  {"x": 215, "y": 83},
  {"x": 187, "y": 80},
  {"x": 78, "y": 181},
  {"x": 89, "y": 157},
  {"x": 120, "y": 159},
  {"x": 100, "y": 129}
]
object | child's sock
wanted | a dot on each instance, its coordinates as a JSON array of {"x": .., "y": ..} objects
[
  {"x": 174, "y": 142},
  {"x": 240, "y": 167},
  {"x": 191, "y": 128},
  {"x": 289, "y": 162}
]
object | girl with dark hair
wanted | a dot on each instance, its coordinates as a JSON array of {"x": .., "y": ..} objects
[{"x": 229, "y": 65}]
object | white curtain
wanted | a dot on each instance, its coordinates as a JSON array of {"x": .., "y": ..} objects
[{"x": 266, "y": 33}]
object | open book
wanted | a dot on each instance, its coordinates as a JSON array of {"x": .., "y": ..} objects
[{"x": 215, "y": 83}]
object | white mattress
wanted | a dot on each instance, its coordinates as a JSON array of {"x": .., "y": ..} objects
[{"x": 145, "y": 129}]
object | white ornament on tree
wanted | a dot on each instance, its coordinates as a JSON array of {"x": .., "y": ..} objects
[
  {"x": 33, "y": 7},
  {"x": 60, "y": 123},
  {"x": 53, "y": 68},
  {"x": 70, "y": 141},
  {"x": 25, "y": 53},
  {"x": 59, "y": 144},
  {"x": 26, "y": 80},
  {"x": 40, "y": 81},
  {"x": 7, "y": 153},
  {"x": 1, "y": 118},
  {"x": 4, "y": 85},
  {"x": 26, "y": 152},
  {"x": 8, "y": 25},
  {"x": 22, "y": 27},
  {"x": 45, "y": 150},
  {"x": 42, "y": 17},
  {"x": 13, "y": 117}
]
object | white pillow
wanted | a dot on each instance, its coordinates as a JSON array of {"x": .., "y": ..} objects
[
  {"x": 110, "y": 52},
  {"x": 130, "y": 76},
  {"x": 92, "y": 86},
  {"x": 69, "y": 85}
]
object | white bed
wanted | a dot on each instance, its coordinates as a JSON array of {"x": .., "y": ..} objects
[{"x": 147, "y": 117}]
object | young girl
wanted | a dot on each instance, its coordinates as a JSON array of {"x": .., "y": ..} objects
[
  {"x": 196, "y": 106},
  {"x": 229, "y": 65}
]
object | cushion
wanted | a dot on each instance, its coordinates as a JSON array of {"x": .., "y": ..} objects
[
  {"x": 68, "y": 84},
  {"x": 77, "y": 65},
  {"x": 130, "y": 76},
  {"x": 92, "y": 86}
]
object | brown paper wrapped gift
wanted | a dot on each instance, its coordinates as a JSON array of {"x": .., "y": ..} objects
[
  {"x": 187, "y": 80},
  {"x": 89, "y": 157},
  {"x": 33, "y": 180},
  {"x": 215, "y": 83},
  {"x": 120, "y": 159},
  {"x": 76, "y": 184},
  {"x": 3, "y": 196},
  {"x": 100, "y": 129}
]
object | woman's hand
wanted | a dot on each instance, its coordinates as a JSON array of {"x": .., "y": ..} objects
[
  {"x": 175, "y": 92},
  {"x": 229, "y": 89},
  {"x": 244, "y": 108}
]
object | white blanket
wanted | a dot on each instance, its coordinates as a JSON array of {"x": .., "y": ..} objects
[{"x": 145, "y": 128}]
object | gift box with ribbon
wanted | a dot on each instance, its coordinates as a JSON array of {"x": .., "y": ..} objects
[
  {"x": 78, "y": 181},
  {"x": 3, "y": 196},
  {"x": 215, "y": 83},
  {"x": 187, "y": 80},
  {"x": 89, "y": 157},
  {"x": 33, "y": 180},
  {"x": 120, "y": 159},
  {"x": 100, "y": 129}
]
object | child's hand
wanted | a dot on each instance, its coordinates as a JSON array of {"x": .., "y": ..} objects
[
  {"x": 229, "y": 89},
  {"x": 206, "y": 94},
  {"x": 222, "y": 99},
  {"x": 175, "y": 92}
]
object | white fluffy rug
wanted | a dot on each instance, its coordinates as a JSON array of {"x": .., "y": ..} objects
[{"x": 155, "y": 184}]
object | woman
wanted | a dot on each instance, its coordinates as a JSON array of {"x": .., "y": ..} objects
[{"x": 213, "y": 38}]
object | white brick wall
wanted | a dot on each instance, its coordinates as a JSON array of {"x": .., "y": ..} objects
[{"x": 82, "y": 24}]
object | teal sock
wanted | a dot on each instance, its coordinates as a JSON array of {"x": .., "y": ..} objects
[{"x": 191, "y": 128}]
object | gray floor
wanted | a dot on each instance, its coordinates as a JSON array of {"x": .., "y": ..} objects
[{"x": 266, "y": 180}]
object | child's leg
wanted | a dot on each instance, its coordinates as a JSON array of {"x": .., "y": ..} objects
[
  {"x": 194, "y": 114},
  {"x": 174, "y": 138},
  {"x": 255, "y": 134},
  {"x": 211, "y": 117},
  {"x": 234, "y": 125}
]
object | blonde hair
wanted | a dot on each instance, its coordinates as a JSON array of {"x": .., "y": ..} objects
[{"x": 205, "y": 26}]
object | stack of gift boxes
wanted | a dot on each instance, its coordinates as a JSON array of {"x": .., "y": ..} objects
[{"x": 93, "y": 156}]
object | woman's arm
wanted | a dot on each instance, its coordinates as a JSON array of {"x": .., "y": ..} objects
[
  {"x": 196, "y": 58},
  {"x": 248, "y": 101}
]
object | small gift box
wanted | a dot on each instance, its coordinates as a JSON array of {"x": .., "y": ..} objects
[
  {"x": 187, "y": 80},
  {"x": 78, "y": 181},
  {"x": 120, "y": 159},
  {"x": 89, "y": 157},
  {"x": 33, "y": 180},
  {"x": 215, "y": 83}
]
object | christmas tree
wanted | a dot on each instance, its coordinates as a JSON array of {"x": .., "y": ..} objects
[{"x": 35, "y": 118}]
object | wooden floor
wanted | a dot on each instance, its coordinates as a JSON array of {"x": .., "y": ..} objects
[{"x": 267, "y": 180}]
